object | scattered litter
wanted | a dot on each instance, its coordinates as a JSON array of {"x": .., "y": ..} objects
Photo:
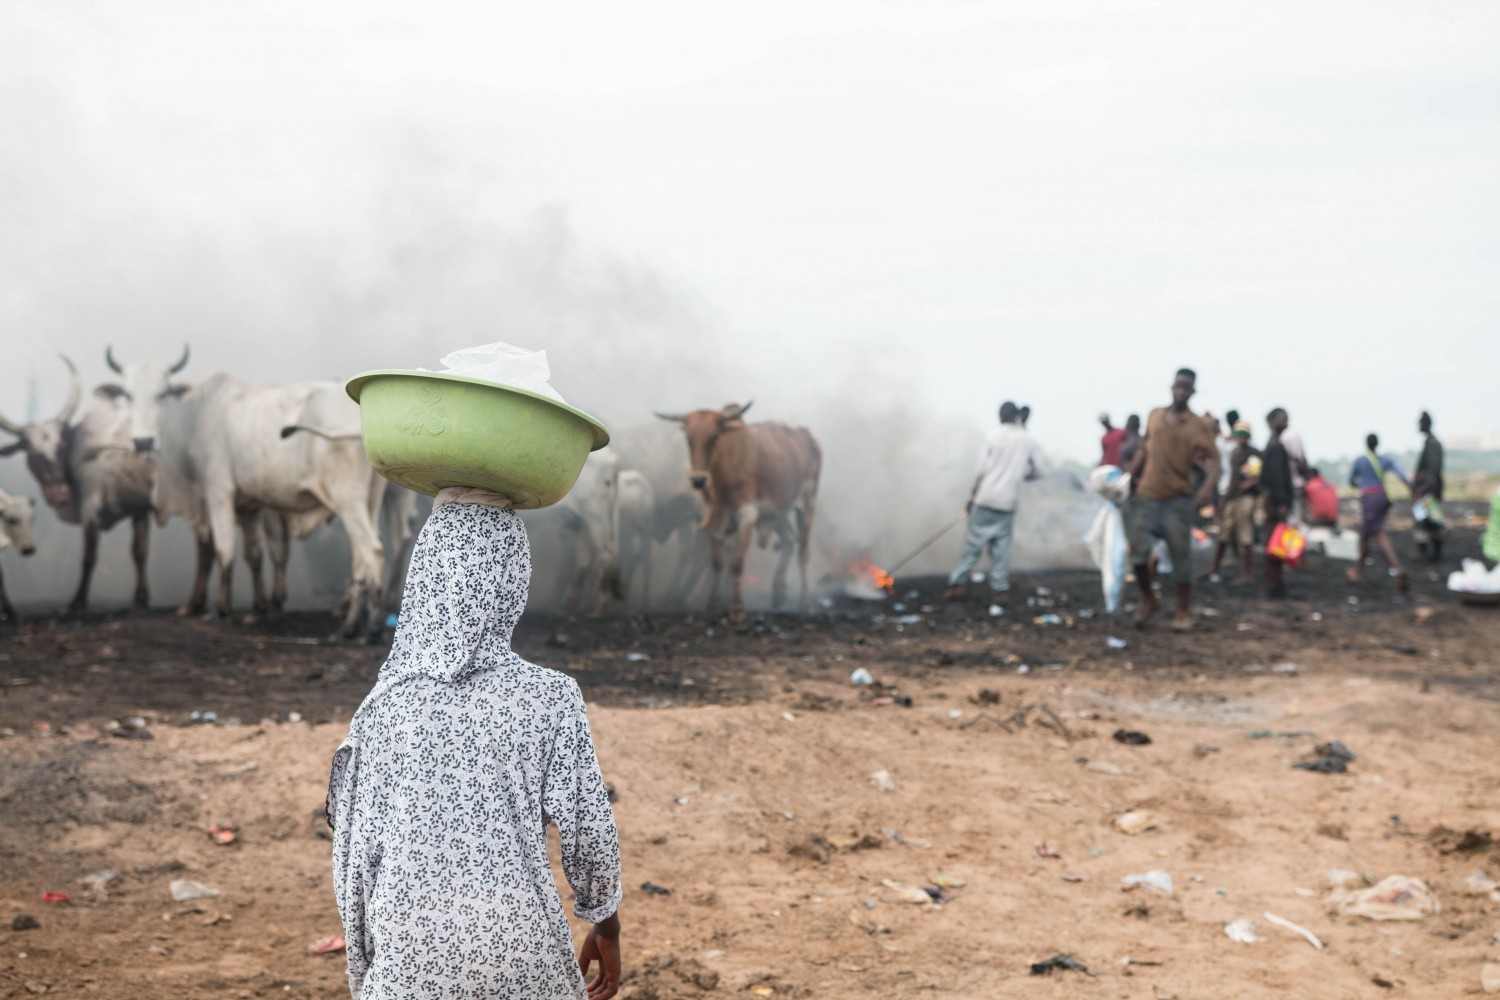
[
  {"x": 1479, "y": 884},
  {"x": 184, "y": 890},
  {"x": 294, "y": 716},
  {"x": 1333, "y": 758},
  {"x": 56, "y": 897},
  {"x": 652, "y": 889},
  {"x": 909, "y": 620},
  {"x": 1115, "y": 643},
  {"x": 1241, "y": 930},
  {"x": 788, "y": 716},
  {"x": 329, "y": 945},
  {"x": 1312, "y": 938},
  {"x": 223, "y": 833},
  {"x": 1048, "y": 619},
  {"x": 1135, "y": 822},
  {"x": 202, "y": 718},
  {"x": 1058, "y": 963},
  {"x": 1071, "y": 877},
  {"x": 1041, "y": 850},
  {"x": 1344, "y": 878},
  {"x": 947, "y": 881},
  {"x": 1154, "y": 879},
  {"x": 1286, "y": 668},
  {"x": 133, "y": 728},
  {"x": 1489, "y": 977},
  {"x": 861, "y": 676},
  {"x": 762, "y": 991},
  {"x": 1261, "y": 734},
  {"x": 1131, "y": 737},
  {"x": 1395, "y": 897},
  {"x": 97, "y": 884},
  {"x": 1103, "y": 767},
  {"x": 996, "y": 611},
  {"x": 1023, "y": 669},
  {"x": 955, "y": 713},
  {"x": 636, "y": 657},
  {"x": 882, "y": 781},
  {"x": 25, "y": 922},
  {"x": 906, "y": 893}
]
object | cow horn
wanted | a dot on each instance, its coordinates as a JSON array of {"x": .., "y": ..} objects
[
  {"x": 676, "y": 418},
  {"x": 734, "y": 410},
  {"x": 179, "y": 366},
  {"x": 75, "y": 392},
  {"x": 109, "y": 357},
  {"x": 8, "y": 427}
]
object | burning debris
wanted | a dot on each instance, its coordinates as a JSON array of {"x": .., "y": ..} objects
[{"x": 867, "y": 581}]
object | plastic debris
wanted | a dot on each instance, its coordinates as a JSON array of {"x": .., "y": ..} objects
[
  {"x": 947, "y": 881},
  {"x": 1058, "y": 963},
  {"x": 1333, "y": 758},
  {"x": 184, "y": 890},
  {"x": 1395, "y": 897},
  {"x": 1242, "y": 930},
  {"x": 861, "y": 676},
  {"x": 636, "y": 657},
  {"x": 1041, "y": 850},
  {"x": 1048, "y": 619},
  {"x": 1479, "y": 884},
  {"x": 97, "y": 884},
  {"x": 133, "y": 728},
  {"x": 1114, "y": 642},
  {"x": 332, "y": 944},
  {"x": 1312, "y": 938},
  {"x": 1135, "y": 821},
  {"x": 1154, "y": 879},
  {"x": 202, "y": 718},
  {"x": 223, "y": 833},
  {"x": 882, "y": 781},
  {"x": 56, "y": 897},
  {"x": 1131, "y": 737},
  {"x": 25, "y": 922},
  {"x": 906, "y": 893},
  {"x": 996, "y": 611},
  {"x": 1489, "y": 977},
  {"x": 652, "y": 889},
  {"x": 392, "y": 620},
  {"x": 1103, "y": 767}
]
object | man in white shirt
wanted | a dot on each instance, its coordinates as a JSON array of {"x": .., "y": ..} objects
[{"x": 1011, "y": 455}]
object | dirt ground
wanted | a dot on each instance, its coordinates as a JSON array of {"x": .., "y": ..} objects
[{"x": 743, "y": 760}]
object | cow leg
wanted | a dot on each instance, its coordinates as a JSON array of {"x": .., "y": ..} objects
[
  {"x": 5, "y": 609},
  {"x": 718, "y": 545},
  {"x": 221, "y": 520},
  {"x": 737, "y": 562},
  {"x": 251, "y": 543},
  {"x": 140, "y": 547},
  {"x": 199, "y": 597},
  {"x": 643, "y": 560},
  {"x": 278, "y": 542},
  {"x": 785, "y": 544},
  {"x": 367, "y": 559},
  {"x": 80, "y": 601},
  {"x": 809, "y": 503}
]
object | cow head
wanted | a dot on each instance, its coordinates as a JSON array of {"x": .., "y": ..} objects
[
  {"x": 144, "y": 386},
  {"x": 46, "y": 445},
  {"x": 17, "y": 515},
  {"x": 703, "y": 429}
]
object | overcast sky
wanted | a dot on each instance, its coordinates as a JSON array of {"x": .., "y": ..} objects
[{"x": 932, "y": 205}]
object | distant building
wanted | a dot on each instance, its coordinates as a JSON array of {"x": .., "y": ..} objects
[{"x": 1474, "y": 442}]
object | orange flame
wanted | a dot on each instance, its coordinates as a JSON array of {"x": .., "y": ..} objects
[{"x": 862, "y": 568}]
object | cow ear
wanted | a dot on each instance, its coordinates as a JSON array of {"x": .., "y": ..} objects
[
  {"x": 10, "y": 449},
  {"x": 110, "y": 392}
]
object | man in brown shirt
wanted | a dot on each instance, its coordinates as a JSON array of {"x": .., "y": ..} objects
[{"x": 1176, "y": 441}]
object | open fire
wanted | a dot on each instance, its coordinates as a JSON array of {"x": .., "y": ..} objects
[{"x": 869, "y": 580}]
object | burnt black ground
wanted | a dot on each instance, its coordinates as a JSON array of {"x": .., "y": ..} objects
[{"x": 100, "y": 667}]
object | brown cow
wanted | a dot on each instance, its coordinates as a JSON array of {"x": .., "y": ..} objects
[{"x": 753, "y": 477}]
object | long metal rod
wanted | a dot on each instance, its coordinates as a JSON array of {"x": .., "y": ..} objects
[{"x": 924, "y": 546}]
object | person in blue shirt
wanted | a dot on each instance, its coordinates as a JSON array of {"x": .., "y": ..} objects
[{"x": 1368, "y": 476}]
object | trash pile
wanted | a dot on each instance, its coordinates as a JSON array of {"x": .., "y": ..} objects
[{"x": 1475, "y": 579}]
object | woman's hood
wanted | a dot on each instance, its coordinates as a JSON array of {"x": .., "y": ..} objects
[{"x": 465, "y": 592}]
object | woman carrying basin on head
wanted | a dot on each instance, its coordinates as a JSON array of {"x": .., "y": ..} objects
[{"x": 440, "y": 796}]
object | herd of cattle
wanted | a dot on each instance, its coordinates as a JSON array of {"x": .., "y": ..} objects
[{"x": 276, "y": 461}]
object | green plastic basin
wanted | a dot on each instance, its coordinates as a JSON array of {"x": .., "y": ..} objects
[{"x": 428, "y": 431}]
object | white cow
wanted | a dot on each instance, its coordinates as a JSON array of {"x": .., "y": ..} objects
[
  {"x": 91, "y": 476},
  {"x": 17, "y": 514},
  {"x": 588, "y": 521},
  {"x": 220, "y": 452},
  {"x": 656, "y": 452}
]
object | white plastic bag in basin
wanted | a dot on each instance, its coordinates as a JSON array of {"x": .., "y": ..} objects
[{"x": 506, "y": 364}]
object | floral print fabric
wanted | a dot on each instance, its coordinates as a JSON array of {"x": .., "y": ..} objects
[{"x": 440, "y": 796}]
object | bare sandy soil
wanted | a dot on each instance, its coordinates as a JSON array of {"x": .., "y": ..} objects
[{"x": 743, "y": 760}]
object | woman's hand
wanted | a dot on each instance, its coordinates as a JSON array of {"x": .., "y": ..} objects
[{"x": 602, "y": 945}]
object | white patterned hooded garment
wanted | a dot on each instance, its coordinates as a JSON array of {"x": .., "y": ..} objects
[{"x": 440, "y": 796}]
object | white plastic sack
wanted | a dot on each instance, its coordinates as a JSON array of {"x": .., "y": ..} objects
[
  {"x": 1106, "y": 545},
  {"x": 505, "y": 364},
  {"x": 1475, "y": 579},
  {"x": 1111, "y": 482}
]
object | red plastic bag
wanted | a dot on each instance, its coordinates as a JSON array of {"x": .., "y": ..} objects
[
  {"x": 1322, "y": 501},
  {"x": 1287, "y": 544}
]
